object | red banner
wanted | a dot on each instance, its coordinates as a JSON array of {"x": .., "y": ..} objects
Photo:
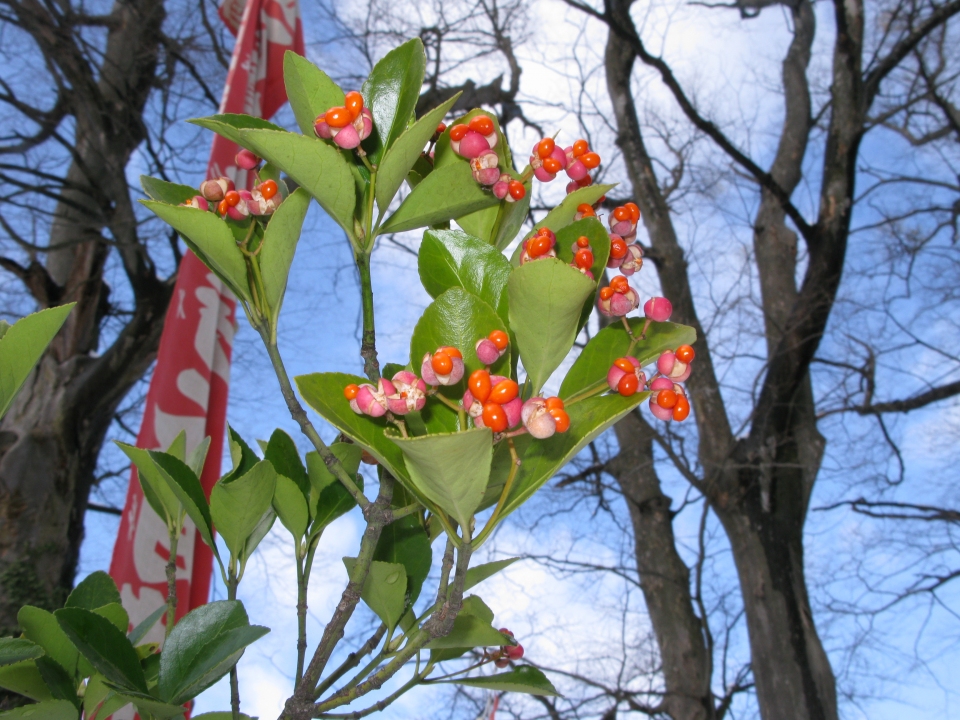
[{"x": 188, "y": 390}]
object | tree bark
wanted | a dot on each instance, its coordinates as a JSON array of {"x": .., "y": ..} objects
[{"x": 51, "y": 438}]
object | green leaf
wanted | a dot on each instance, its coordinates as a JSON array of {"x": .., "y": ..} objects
[
  {"x": 329, "y": 498},
  {"x": 291, "y": 507},
  {"x": 384, "y": 591},
  {"x": 202, "y": 648},
  {"x": 21, "y": 347},
  {"x": 458, "y": 319},
  {"x": 450, "y": 469},
  {"x": 46, "y": 710},
  {"x": 156, "y": 489},
  {"x": 211, "y": 239},
  {"x": 279, "y": 244},
  {"x": 563, "y": 214},
  {"x": 62, "y": 686},
  {"x": 14, "y": 650},
  {"x": 229, "y": 125},
  {"x": 472, "y": 628},
  {"x": 141, "y": 630},
  {"x": 498, "y": 225},
  {"x": 107, "y": 648},
  {"x": 186, "y": 486},
  {"x": 406, "y": 542},
  {"x": 196, "y": 458},
  {"x": 400, "y": 158},
  {"x": 100, "y": 701},
  {"x": 23, "y": 678},
  {"x": 260, "y": 531},
  {"x": 283, "y": 454},
  {"x": 544, "y": 458},
  {"x": 147, "y": 705},
  {"x": 324, "y": 393},
  {"x": 524, "y": 679},
  {"x": 599, "y": 242},
  {"x": 221, "y": 714},
  {"x": 590, "y": 369},
  {"x": 42, "y": 628},
  {"x": 546, "y": 298},
  {"x": 451, "y": 258},
  {"x": 392, "y": 90},
  {"x": 115, "y": 613},
  {"x": 315, "y": 166},
  {"x": 241, "y": 455},
  {"x": 446, "y": 193},
  {"x": 166, "y": 192},
  {"x": 479, "y": 573},
  {"x": 310, "y": 90},
  {"x": 237, "y": 506},
  {"x": 95, "y": 590}
]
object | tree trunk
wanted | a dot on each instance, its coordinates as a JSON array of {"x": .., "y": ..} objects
[{"x": 51, "y": 437}]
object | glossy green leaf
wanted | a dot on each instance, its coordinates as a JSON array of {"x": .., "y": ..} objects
[
  {"x": 166, "y": 192},
  {"x": 21, "y": 347},
  {"x": 230, "y": 125},
  {"x": 590, "y": 369},
  {"x": 146, "y": 625},
  {"x": 115, "y": 613},
  {"x": 451, "y": 258},
  {"x": 95, "y": 590},
  {"x": 62, "y": 686},
  {"x": 563, "y": 214},
  {"x": 524, "y": 679},
  {"x": 197, "y": 457},
  {"x": 329, "y": 498},
  {"x": 392, "y": 90},
  {"x": 211, "y": 239},
  {"x": 46, "y": 710},
  {"x": 237, "y": 506},
  {"x": 310, "y": 90},
  {"x": 202, "y": 648},
  {"x": 315, "y": 166},
  {"x": 24, "y": 679},
  {"x": 291, "y": 507},
  {"x": 156, "y": 489},
  {"x": 401, "y": 157},
  {"x": 600, "y": 245},
  {"x": 242, "y": 457},
  {"x": 384, "y": 591},
  {"x": 450, "y": 469},
  {"x": 147, "y": 705},
  {"x": 546, "y": 298},
  {"x": 405, "y": 541},
  {"x": 324, "y": 393},
  {"x": 457, "y": 319},
  {"x": 472, "y": 628},
  {"x": 42, "y": 628},
  {"x": 104, "y": 646},
  {"x": 100, "y": 701},
  {"x": 283, "y": 454},
  {"x": 14, "y": 650},
  {"x": 446, "y": 193},
  {"x": 186, "y": 486},
  {"x": 498, "y": 225},
  {"x": 479, "y": 573},
  {"x": 279, "y": 244},
  {"x": 543, "y": 459}
]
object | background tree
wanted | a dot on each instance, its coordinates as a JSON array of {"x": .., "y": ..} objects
[{"x": 86, "y": 91}]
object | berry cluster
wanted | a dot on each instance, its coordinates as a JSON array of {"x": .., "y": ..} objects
[
  {"x": 491, "y": 401},
  {"x": 547, "y": 159},
  {"x": 625, "y": 253},
  {"x": 238, "y": 204},
  {"x": 502, "y": 657},
  {"x": 669, "y": 399},
  {"x": 541, "y": 244},
  {"x": 618, "y": 298},
  {"x": 347, "y": 126},
  {"x": 583, "y": 256},
  {"x": 475, "y": 141}
]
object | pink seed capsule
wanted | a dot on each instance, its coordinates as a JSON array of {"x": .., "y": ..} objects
[
  {"x": 658, "y": 309},
  {"x": 246, "y": 159}
]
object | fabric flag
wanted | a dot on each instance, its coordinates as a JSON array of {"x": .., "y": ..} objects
[{"x": 189, "y": 387}]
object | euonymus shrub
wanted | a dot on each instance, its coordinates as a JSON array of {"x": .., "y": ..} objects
[{"x": 461, "y": 431}]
